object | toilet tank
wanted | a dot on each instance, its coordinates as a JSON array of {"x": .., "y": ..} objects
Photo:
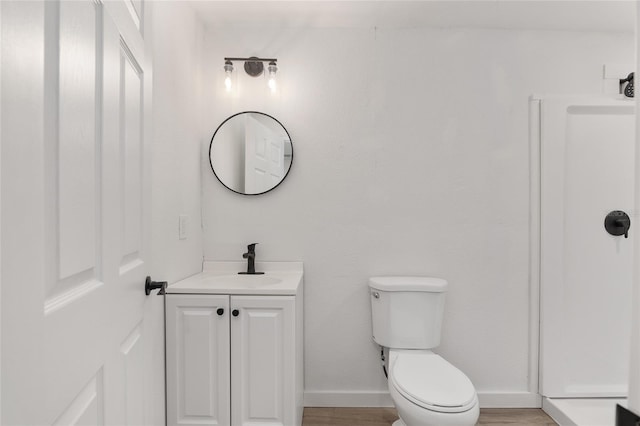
[{"x": 407, "y": 311}]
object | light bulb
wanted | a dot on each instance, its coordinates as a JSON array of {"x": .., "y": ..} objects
[
  {"x": 272, "y": 76},
  {"x": 228, "y": 69}
]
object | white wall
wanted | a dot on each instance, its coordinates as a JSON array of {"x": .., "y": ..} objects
[
  {"x": 410, "y": 157},
  {"x": 177, "y": 117},
  {"x": 176, "y": 175}
]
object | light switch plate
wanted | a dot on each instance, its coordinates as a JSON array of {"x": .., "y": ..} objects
[{"x": 183, "y": 221}]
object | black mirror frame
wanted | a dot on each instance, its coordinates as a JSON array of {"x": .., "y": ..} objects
[{"x": 211, "y": 145}]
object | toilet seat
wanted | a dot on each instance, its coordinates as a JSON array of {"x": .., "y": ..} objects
[{"x": 429, "y": 381}]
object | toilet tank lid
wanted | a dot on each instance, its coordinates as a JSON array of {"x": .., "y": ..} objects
[{"x": 397, "y": 283}]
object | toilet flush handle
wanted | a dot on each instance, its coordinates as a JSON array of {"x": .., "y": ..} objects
[{"x": 376, "y": 294}]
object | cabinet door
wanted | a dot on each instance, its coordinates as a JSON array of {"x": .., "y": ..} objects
[
  {"x": 197, "y": 360},
  {"x": 263, "y": 367}
]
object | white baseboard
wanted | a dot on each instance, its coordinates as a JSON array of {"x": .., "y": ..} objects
[
  {"x": 509, "y": 400},
  {"x": 555, "y": 413},
  {"x": 382, "y": 399},
  {"x": 347, "y": 399}
]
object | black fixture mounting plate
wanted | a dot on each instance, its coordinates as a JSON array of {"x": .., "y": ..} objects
[{"x": 254, "y": 68}]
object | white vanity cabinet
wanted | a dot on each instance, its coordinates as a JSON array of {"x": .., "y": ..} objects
[
  {"x": 234, "y": 359},
  {"x": 198, "y": 360}
]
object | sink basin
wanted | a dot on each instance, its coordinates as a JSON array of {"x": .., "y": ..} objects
[
  {"x": 243, "y": 280},
  {"x": 279, "y": 278}
]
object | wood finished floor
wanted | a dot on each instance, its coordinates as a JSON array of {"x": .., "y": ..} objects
[{"x": 386, "y": 416}]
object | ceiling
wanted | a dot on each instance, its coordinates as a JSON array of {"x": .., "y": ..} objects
[{"x": 572, "y": 15}]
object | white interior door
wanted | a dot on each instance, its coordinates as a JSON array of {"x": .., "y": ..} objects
[
  {"x": 587, "y": 158},
  {"x": 77, "y": 346},
  {"x": 264, "y": 157}
]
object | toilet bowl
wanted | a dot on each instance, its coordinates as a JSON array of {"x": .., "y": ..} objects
[
  {"x": 428, "y": 391},
  {"x": 406, "y": 314}
]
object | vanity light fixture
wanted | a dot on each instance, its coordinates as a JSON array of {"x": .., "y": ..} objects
[
  {"x": 254, "y": 67},
  {"x": 273, "y": 69},
  {"x": 228, "y": 69}
]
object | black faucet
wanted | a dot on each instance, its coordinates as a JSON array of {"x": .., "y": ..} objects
[{"x": 250, "y": 255}]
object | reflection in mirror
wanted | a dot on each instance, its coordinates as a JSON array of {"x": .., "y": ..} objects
[{"x": 251, "y": 153}]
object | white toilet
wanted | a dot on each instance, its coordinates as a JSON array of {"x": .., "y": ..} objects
[{"x": 407, "y": 318}]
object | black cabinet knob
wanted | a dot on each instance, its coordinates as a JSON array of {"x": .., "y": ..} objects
[
  {"x": 220, "y": 311},
  {"x": 235, "y": 312}
]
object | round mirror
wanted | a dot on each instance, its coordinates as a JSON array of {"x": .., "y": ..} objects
[{"x": 251, "y": 153}]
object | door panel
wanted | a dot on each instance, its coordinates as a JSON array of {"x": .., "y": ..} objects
[
  {"x": 262, "y": 349},
  {"x": 133, "y": 362},
  {"x": 71, "y": 171},
  {"x": 198, "y": 362},
  {"x": 264, "y": 157},
  {"x": 88, "y": 406},
  {"x": 74, "y": 167},
  {"x": 130, "y": 161},
  {"x": 135, "y": 12}
]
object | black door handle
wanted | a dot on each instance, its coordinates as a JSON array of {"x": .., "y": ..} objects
[
  {"x": 617, "y": 223},
  {"x": 235, "y": 312},
  {"x": 220, "y": 311},
  {"x": 152, "y": 285}
]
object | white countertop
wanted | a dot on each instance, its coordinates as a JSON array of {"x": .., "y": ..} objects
[{"x": 279, "y": 278}]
